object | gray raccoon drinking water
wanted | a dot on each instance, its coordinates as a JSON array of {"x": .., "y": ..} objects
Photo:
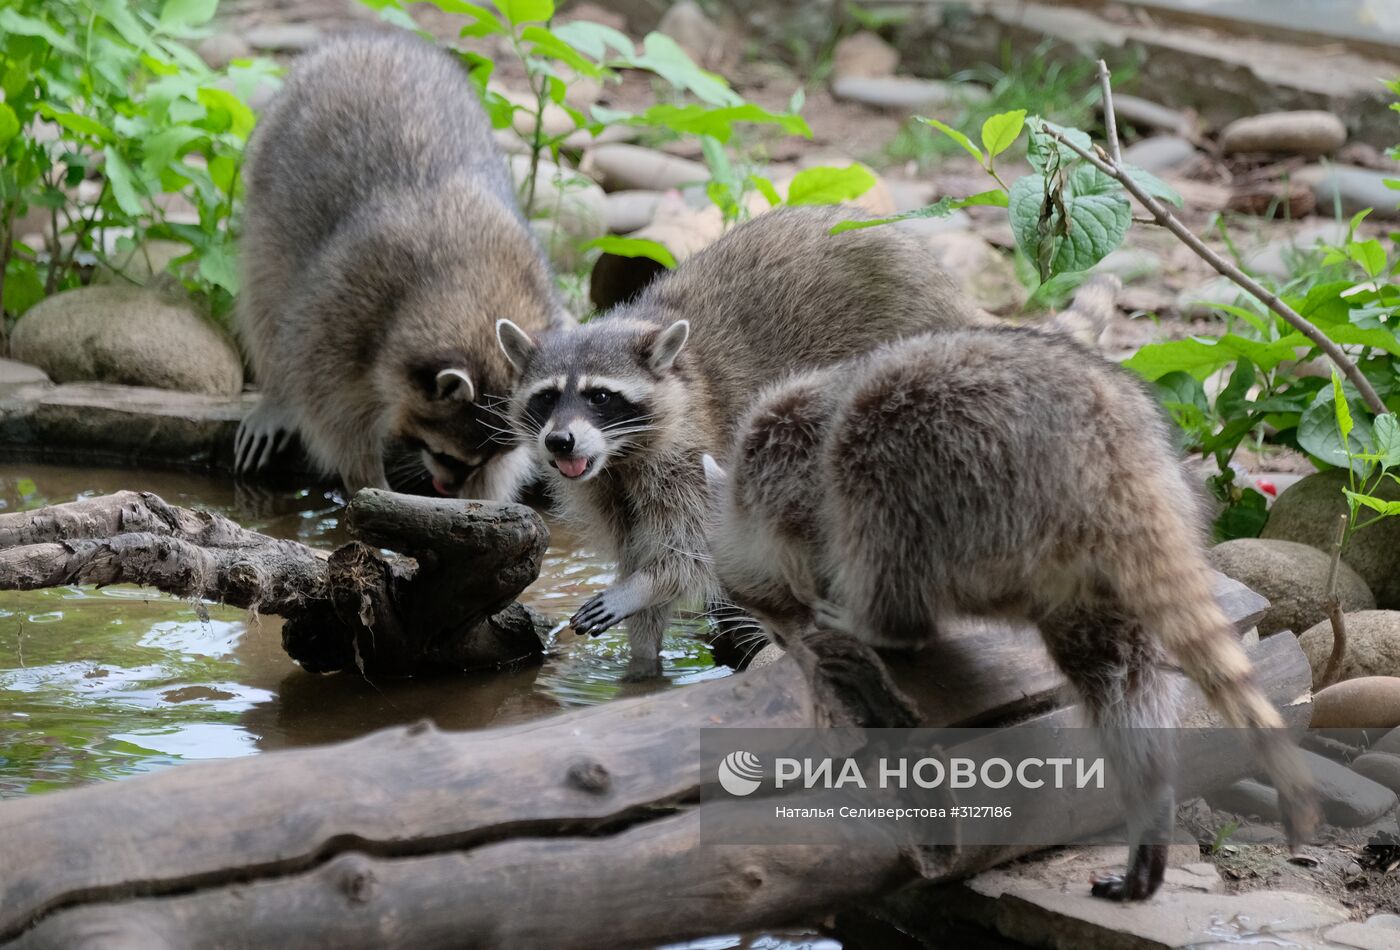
[
  {"x": 624, "y": 408},
  {"x": 1006, "y": 472},
  {"x": 381, "y": 243}
]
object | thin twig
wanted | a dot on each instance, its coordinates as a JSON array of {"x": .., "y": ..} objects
[
  {"x": 1271, "y": 300},
  {"x": 1110, "y": 119},
  {"x": 1333, "y": 670}
]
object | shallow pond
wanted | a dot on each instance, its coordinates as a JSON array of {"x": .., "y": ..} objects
[{"x": 100, "y": 684}]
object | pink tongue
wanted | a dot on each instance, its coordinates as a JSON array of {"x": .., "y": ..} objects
[
  {"x": 441, "y": 489},
  {"x": 571, "y": 468}
]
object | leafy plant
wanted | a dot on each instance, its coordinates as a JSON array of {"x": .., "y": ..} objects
[{"x": 107, "y": 116}]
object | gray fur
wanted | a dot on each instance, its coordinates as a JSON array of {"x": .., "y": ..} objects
[
  {"x": 998, "y": 472},
  {"x": 382, "y": 241},
  {"x": 774, "y": 295}
]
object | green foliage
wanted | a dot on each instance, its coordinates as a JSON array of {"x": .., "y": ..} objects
[{"x": 106, "y": 96}]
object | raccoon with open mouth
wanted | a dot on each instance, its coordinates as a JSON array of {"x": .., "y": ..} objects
[
  {"x": 999, "y": 472},
  {"x": 382, "y": 240},
  {"x": 623, "y": 408}
]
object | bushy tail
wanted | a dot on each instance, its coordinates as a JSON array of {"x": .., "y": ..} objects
[
  {"x": 1095, "y": 302},
  {"x": 1172, "y": 589}
]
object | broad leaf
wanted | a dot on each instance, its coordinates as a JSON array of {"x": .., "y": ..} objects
[
  {"x": 956, "y": 136},
  {"x": 829, "y": 186},
  {"x": 940, "y": 209},
  {"x": 181, "y": 14},
  {"x": 1001, "y": 130},
  {"x": 634, "y": 247},
  {"x": 120, "y": 177}
]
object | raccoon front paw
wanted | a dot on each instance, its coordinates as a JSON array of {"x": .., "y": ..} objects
[
  {"x": 827, "y": 615},
  {"x": 263, "y": 433},
  {"x": 596, "y": 615},
  {"x": 1144, "y": 876}
]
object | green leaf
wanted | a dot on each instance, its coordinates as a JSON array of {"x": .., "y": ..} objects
[
  {"x": 545, "y": 43},
  {"x": 594, "y": 39},
  {"x": 526, "y": 11},
  {"x": 23, "y": 286},
  {"x": 1098, "y": 220},
  {"x": 1180, "y": 389},
  {"x": 1319, "y": 436},
  {"x": 940, "y": 209},
  {"x": 181, "y": 14},
  {"x": 1044, "y": 150},
  {"x": 218, "y": 266},
  {"x": 9, "y": 124},
  {"x": 166, "y": 145},
  {"x": 829, "y": 186},
  {"x": 663, "y": 56},
  {"x": 706, "y": 120},
  {"x": 1369, "y": 254},
  {"x": 11, "y": 21},
  {"x": 73, "y": 122},
  {"x": 241, "y": 118},
  {"x": 766, "y": 189},
  {"x": 958, "y": 137},
  {"x": 1387, "y": 432},
  {"x": 120, "y": 177},
  {"x": 634, "y": 247},
  {"x": 1343, "y": 413},
  {"x": 1153, "y": 185},
  {"x": 1233, "y": 400},
  {"x": 1201, "y": 356},
  {"x": 1244, "y": 518},
  {"x": 995, "y": 198},
  {"x": 1386, "y": 508},
  {"x": 1001, "y": 130}
]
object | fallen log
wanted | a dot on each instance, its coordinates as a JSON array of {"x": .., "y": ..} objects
[
  {"x": 580, "y": 830},
  {"x": 445, "y": 600}
]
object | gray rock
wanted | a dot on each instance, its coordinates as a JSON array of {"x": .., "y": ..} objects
[
  {"x": 1247, "y": 797},
  {"x": 984, "y": 273},
  {"x": 618, "y": 167},
  {"x": 1197, "y": 876},
  {"x": 1250, "y": 833},
  {"x": 769, "y": 655},
  {"x": 705, "y": 41},
  {"x": 864, "y": 54},
  {"x": 1307, "y": 513},
  {"x": 1377, "y": 933},
  {"x": 1307, "y": 132},
  {"x": 14, "y": 374},
  {"x": 1367, "y": 702},
  {"x": 1381, "y": 768},
  {"x": 1349, "y": 800},
  {"x": 1160, "y": 153},
  {"x": 123, "y": 334},
  {"x": 1144, "y": 113},
  {"x": 1390, "y": 742},
  {"x": 223, "y": 48},
  {"x": 1355, "y": 189},
  {"x": 283, "y": 37},
  {"x": 1294, "y": 579},
  {"x": 629, "y": 210},
  {"x": 1373, "y": 645},
  {"x": 904, "y": 93},
  {"x": 1130, "y": 264}
]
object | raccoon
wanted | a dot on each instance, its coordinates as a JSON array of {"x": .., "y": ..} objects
[
  {"x": 623, "y": 408},
  {"x": 998, "y": 472},
  {"x": 382, "y": 241}
]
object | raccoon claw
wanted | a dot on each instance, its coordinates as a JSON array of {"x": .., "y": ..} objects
[
  {"x": 262, "y": 434},
  {"x": 830, "y": 616},
  {"x": 595, "y": 616}
]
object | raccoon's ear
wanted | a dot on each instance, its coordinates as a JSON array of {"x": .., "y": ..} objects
[
  {"x": 716, "y": 478},
  {"x": 668, "y": 346},
  {"x": 515, "y": 343},
  {"x": 454, "y": 383}
]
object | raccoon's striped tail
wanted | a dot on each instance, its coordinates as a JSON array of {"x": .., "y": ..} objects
[
  {"x": 1095, "y": 302},
  {"x": 1172, "y": 590}
]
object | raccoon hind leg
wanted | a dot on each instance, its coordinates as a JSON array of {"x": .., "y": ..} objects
[{"x": 1117, "y": 672}]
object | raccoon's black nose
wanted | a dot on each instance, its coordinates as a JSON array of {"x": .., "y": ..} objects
[{"x": 560, "y": 443}]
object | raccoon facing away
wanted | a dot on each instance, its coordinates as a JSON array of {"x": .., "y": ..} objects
[
  {"x": 623, "y": 408},
  {"x": 999, "y": 472},
  {"x": 381, "y": 242}
]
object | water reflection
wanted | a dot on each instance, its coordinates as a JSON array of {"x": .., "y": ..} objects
[{"x": 98, "y": 684}]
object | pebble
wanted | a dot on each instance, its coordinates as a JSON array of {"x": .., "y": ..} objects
[
  {"x": 1129, "y": 264},
  {"x": 1294, "y": 579},
  {"x": 283, "y": 37},
  {"x": 618, "y": 167},
  {"x": 1160, "y": 153},
  {"x": 1349, "y": 800},
  {"x": 905, "y": 93},
  {"x": 1355, "y": 189},
  {"x": 629, "y": 210},
  {"x": 1143, "y": 113},
  {"x": 1381, "y": 768},
  {"x": 864, "y": 54},
  {"x": 219, "y": 50},
  {"x": 1368, "y": 702},
  {"x": 1390, "y": 742},
  {"x": 1247, "y": 797},
  {"x": 1307, "y": 132},
  {"x": 1373, "y": 645},
  {"x": 702, "y": 39}
]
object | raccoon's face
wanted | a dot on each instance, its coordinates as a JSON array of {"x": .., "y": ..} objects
[{"x": 592, "y": 396}]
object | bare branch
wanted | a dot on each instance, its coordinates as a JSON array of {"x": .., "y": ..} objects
[
  {"x": 1110, "y": 119},
  {"x": 1332, "y": 672}
]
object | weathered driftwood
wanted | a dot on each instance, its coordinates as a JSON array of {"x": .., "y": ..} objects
[
  {"x": 578, "y": 831},
  {"x": 444, "y": 600}
]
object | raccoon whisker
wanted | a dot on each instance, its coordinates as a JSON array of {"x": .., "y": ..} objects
[{"x": 699, "y": 556}]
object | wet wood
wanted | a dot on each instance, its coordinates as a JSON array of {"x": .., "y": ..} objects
[
  {"x": 445, "y": 600},
  {"x": 578, "y": 831}
]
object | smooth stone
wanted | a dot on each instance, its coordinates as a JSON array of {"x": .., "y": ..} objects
[
  {"x": 1247, "y": 797},
  {"x": 1373, "y": 645},
  {"x": 703, "y": 40},
  {"x": 769, "y": 655},
  {"x": 1377, "y": 933},
  {"x": 1130, "y": 264},
  {"x": 1355, "y": 189},
  {"x": 1349, "y": 800},
  {"x": 1368, "y": 702},
  {"x": 1390, "y": 742},
  {"x": 619, "y": 167},
  {"x": 219, "y": 50},
  {"x": 283, "y": 37},
  {"x": 1305, "y": 132},
  {"x": 629, "y": 210},
  {"x": 986, "y": 276},
  {"x": 1251, "y": 833},
  {"x": 1197, "y": 876},
  {"x": 123, "y": 334},
  {"x": 1205, "y": 300},
  {"x": 864, "y": 54},
  {"x": 569, "y": 210},
  {"x": 1160, "y": 153},
  {"x": 14, "y": 374},
  {"x": 1380, "y": 767},
  {"x": 1143, "y": 113},
  {"x": 1307, "y": 512},
  {"x": 1293, "y": 577},
  {"x": 904, "y": 93}
]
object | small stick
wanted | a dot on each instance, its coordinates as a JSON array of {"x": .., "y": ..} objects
[
  {"x": 1110, "y": 120},
  {"x": 1333, "y": 670},
  {"x": 1166, "y": 219}
]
